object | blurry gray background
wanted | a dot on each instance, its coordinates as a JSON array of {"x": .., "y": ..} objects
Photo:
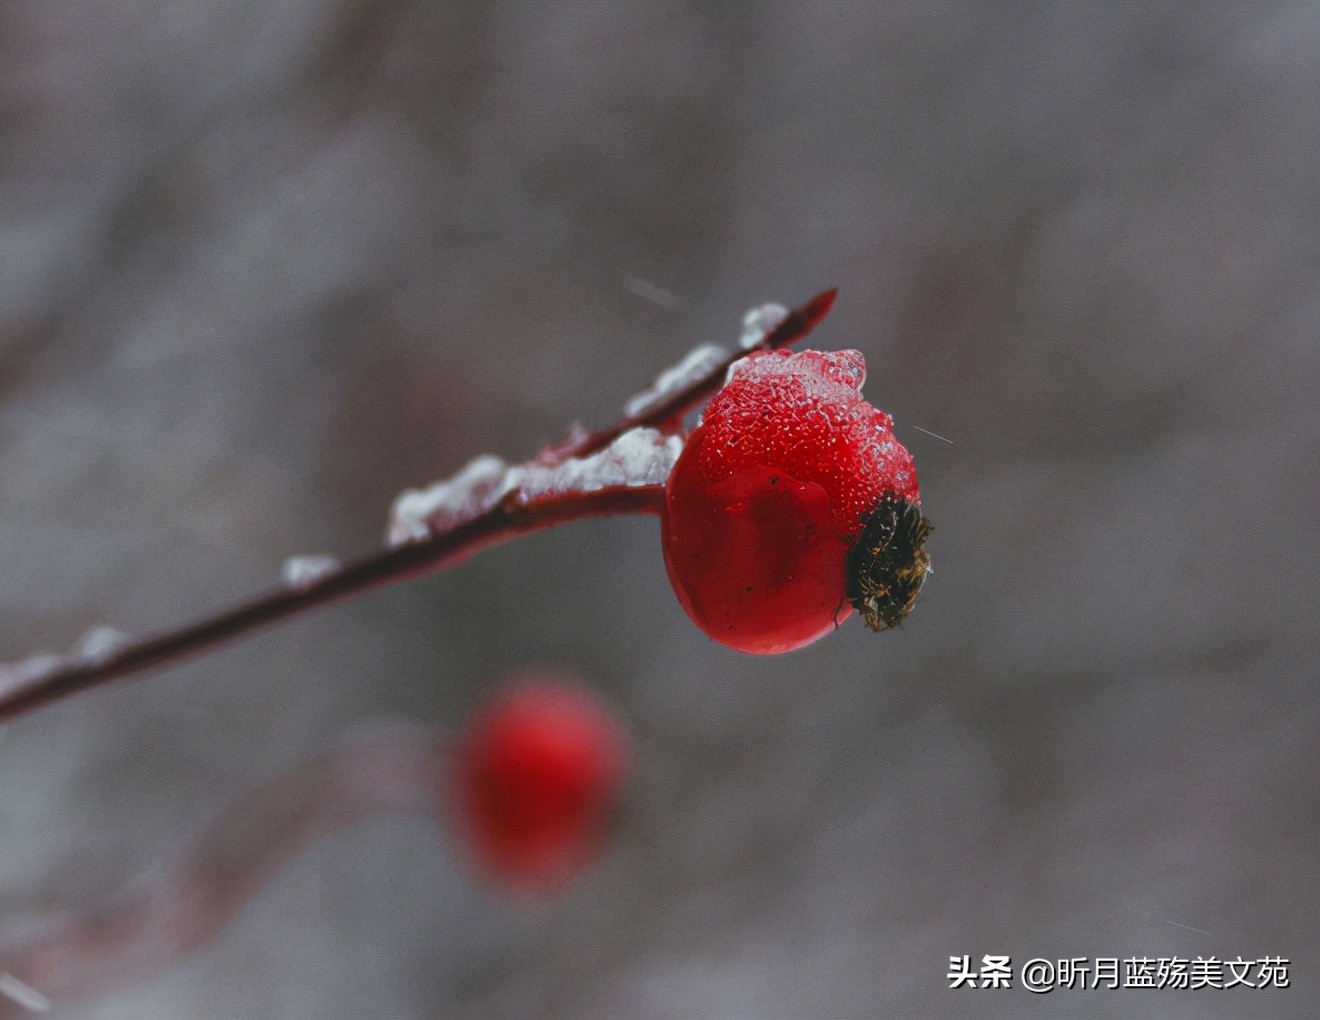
[{"x": 263, "y": 264}]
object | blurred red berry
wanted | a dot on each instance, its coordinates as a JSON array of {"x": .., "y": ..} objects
[
  {"x": 791, "y": 504},
  {"x": 536, "y": 775}
]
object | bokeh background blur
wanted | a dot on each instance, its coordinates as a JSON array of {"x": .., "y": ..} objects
[{"x": 262, "y": 265}]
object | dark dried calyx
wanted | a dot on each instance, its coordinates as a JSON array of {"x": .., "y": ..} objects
[{"x": 888, "y": 564}]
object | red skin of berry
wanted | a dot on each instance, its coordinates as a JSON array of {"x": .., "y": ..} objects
[
  {"x": 536, "y": 775},
  {"x": 770, "y": 493}
]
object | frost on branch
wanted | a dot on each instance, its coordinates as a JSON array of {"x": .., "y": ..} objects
[
  {"x": 758, "y": 323},
  {"x": 640, "y": 456},
  {"x": 100, "y": 643},
  {"x": 301, "y": 571},
  {"x": 92, "y": 649},
  {"x": 25, "y": 671},
  {"x": 616, "y": 469},
  {"x": 449, "y": 503},
  {"x": 699, "y": 362}
]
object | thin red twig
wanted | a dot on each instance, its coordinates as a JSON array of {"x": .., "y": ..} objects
[
  {"x": 174, "y": 912},
  {"x": 508, "y": 519}
]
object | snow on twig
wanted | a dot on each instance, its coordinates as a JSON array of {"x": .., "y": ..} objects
[
  {"x": 436, "y": 532},
  {"x": 639, "y": 457}
]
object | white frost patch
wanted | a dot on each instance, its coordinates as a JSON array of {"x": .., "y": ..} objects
[
  {"x": 736, "y": 369},
  {"x": 758, "y": 323},
  {"x": 640, "y": 456},
  {"x": 99, "y": 643},
  {"x": 699, "y": 363},
  {"x": 301, "y": 571},
  {"x": 94, "y": 648},
  {"x": 447, "y": 504},
  {"x": 23, "y": 994},
  {"x": 30, "y": 670}
]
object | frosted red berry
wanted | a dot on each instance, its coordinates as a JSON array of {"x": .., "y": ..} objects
[
  {"x": 791, "y": 504},
  {"x": 536, "y": 775}
]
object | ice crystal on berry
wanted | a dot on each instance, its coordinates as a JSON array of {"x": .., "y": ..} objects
[{"x": 775, "y": 486}]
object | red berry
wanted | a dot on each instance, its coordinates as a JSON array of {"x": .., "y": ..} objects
[
  {"x": 791, "y": 504},
  {"x": 536, "y": 775}
]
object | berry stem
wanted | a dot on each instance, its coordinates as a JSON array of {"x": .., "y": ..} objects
[
  {"x": 507, "y": 520},
  {"x": 73, "y": 955},
  {"x": 23, "y": 691}
]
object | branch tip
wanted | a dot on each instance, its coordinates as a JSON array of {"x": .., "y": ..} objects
[{"x": 29, "y": 684}]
